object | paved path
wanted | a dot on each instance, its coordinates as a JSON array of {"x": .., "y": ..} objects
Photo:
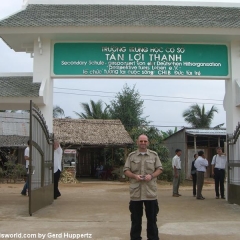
[{"x": 99, "y": 211}]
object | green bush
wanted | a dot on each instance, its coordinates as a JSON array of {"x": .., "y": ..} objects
[
  {"x": 167, "y": 174},
  {"x": 14, "y": 171},
  {"x": 1, "y": 174}
]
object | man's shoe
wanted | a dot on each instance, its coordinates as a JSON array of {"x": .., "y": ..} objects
[
  {"x": 201, "y": 198},
  {"x": 175, "y": 195},
  {"x": 179, "y": 195},
  {"x": 24, "y": 194},
  {"x": 217, "y": 197},
  {"x": 223, "y": 197}
]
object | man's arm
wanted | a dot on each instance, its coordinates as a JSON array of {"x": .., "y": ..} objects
[
  {"x": 175, "y": 172},
  {"x": 157, "y": 172},
  {"x": 213, "y": 164},
  {"x": 26, "y": 154},
  {"x": 174, "y": 168},
  {"x": 129, "y": 174}
]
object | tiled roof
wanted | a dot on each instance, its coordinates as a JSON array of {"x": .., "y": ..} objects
[
  {"x": 14, "y": 129},
  {"x": 91, "y": 132},
  {"x": 18, "y": 87},
  {"x": 124, "y": 15}
]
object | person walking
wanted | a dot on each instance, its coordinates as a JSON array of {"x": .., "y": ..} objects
[
  {"x": 142, "y": 167},
  {"x": 194, "y": 176},
  {"x": 218, "y": 171},
  {"x": 176, "y": 165},
  {"x": 57, "y": 167},
  {"x": 200, "y": 164},
  {"x": 24, "y": 191}
]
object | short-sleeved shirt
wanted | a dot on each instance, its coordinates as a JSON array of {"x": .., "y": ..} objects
[
  {"x": 176, "y": 161},
  {"x": 26, "y": 153},
  {"x": 58, "y": 159},
  {"x": 219, "y": 161},
  {"x": 143, "y": 164},
  {"x": 201, "y": 164}
]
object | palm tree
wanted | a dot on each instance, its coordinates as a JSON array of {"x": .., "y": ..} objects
[
  {"x": 94, "y": 110},
  {"x": 58, "y": 112},
  {"x": 198, "y": 117},
  {"x": 169, "y": 132}
]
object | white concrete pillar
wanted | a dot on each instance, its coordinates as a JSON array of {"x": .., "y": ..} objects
[
  {"x": 230, "y": 102},
  {"x": 231, "y": 105},
  {"x": 42, "y": 72}
]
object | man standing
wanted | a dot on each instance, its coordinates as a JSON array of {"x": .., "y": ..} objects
[
  {"x": 57, "y": 167},
  {"x": 218, "y": 171},
  {"x": 142, "y": 167},
  {"x": 194, "y": 175},
  {"x": 26, "y": 157},
  {"x": 176, "y": 165},
  {"x": 200, "y": 164}
]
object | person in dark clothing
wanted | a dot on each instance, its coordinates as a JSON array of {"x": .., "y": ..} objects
[
  {"x": 57, "y": 167},
  {"x": 194, "y": 176}
]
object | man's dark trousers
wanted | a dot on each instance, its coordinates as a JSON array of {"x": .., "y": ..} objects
[
  {"x": 151, "y": 210},
  {"x": 56, "y": 180},
  {"x": 200, "y": 181},
  {"x": 194, "y": 179},
  {"x": 219, "y": 176}
]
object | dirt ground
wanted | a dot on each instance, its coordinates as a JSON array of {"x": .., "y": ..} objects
[{"x": 99, "y": 211}]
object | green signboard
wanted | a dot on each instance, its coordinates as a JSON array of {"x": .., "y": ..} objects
[{"x": 140, "y": 59}]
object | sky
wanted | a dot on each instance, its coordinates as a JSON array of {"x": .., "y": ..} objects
[{"x": 164, "y": 100}]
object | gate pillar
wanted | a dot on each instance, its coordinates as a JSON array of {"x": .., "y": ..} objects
[{"x": 42, "y": 73}]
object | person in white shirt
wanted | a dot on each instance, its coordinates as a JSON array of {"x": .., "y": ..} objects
[
  {"x": 57, "y": 167},
  {"x": 27, "y": 158},
  {"x": 176, "y": 165},
  {"x": 218, "y": 171},
  {"x": 200, "y": 164}
]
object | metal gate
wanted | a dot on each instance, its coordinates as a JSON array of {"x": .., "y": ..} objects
[
  {"x": 233, "y": 167},
  {"x": 41, "y": 162}
]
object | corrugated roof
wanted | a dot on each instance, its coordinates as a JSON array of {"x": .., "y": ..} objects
[
  {"x": 95, "y": 132},
  {"x": 212, "y": 132},
  {"x": 18, "y": 87},
  {"x": 14, "y": 129},
  {"x": 43, "y": 15}
]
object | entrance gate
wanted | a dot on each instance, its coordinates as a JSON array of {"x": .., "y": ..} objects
[
  {"x": 233, "y": 167},
  {"x": 41, "y": 162},
  {"x": 92, "y": 47}
]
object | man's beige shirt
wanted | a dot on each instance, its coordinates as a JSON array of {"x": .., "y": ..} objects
[{"x": 142, "y": 165}]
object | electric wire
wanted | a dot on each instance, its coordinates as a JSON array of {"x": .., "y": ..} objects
[{"x": 154, "y": 100}]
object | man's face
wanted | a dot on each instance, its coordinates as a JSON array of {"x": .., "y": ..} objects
[
  {"x": 56, "y": 145},
  {"x": 142, "y": 143},
  {"x": 179, "y": 153},
  {"x": 219, "y": 151}
]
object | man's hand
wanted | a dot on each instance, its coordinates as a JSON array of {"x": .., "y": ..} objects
[
  {"x": 148, "y": 177},
  {"x": 139, "y": 177}
]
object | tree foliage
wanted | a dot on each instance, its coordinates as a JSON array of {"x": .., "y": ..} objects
[
  {"x": 198, "y": 117},
  {"x": 94, "y": 110},
  {"x": 155, "y": 140},
  {"x": 128, "y": 107},
  {"x": 168, "y": 133},
  {"x": 58, "y": 112}
]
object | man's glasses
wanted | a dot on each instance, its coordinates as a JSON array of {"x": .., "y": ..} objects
[{"x": 141, "y": 141}]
